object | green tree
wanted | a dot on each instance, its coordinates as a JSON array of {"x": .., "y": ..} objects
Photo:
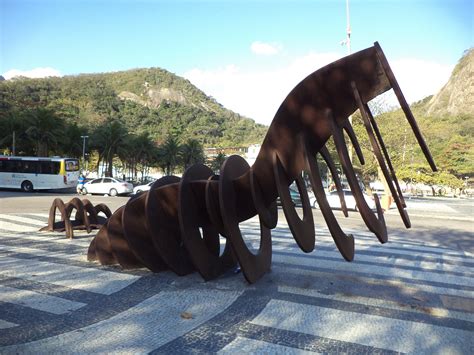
[
  {"x": 457, "y": 156},
  {"x": 169, "y": 155},
  {"x": 13, "y": 138},
  {"x": 217, "y": 162},
  {"x": 138, "y": 154},
  {"x": 192, "y": 153},
  {"x": 45, "y": 130},
  {"x": 107, "y": 139},
  {"x": 421, "y": 173},
  {"x": 71, "y": 144}
]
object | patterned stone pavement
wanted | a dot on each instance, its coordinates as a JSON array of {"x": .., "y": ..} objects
[{"x": 404, "y": 296}]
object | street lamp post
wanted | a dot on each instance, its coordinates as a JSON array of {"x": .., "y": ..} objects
[{"x": 84, "y": 149}]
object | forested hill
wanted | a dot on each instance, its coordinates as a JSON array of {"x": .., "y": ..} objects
[
  {"x": 152, "y": 101},
  {"x": 448, "y": 120}
]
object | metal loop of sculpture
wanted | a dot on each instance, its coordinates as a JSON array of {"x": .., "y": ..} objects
[
  {"x": 178, "y": 223},
  {"x": 86, "y": 217}
]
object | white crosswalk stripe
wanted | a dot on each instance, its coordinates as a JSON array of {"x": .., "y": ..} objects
[
  {"x": 39, "y": 301},
  {"x": 75, "y": 277},
  {"x": 439, "y": 312},
  {"x": 410, "y": 266},
  {"x": 18, "y": 219},
  {"x": 381, "y": 332},
  {"x": 243, "y": 345},
  {"x": 4, "y": 324}
]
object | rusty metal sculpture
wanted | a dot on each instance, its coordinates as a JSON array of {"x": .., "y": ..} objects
[
  {"x": 86, "y": 217},
  {"x": 177, "y": 225}
]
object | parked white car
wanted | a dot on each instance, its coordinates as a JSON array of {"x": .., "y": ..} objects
[
  {"x": 107, "y": 186},
  {"x": 140, "y": 188},
  {"x": 335, "y": 203}
]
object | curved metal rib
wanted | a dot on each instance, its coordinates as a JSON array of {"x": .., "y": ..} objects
[
  {"x": 268, "y": 215},
  {"x": 205, "y": 249},
  {"x": 253, "y": 265},
  {"x": 345, "y": 243},
  {"x": 163, "y": 223},
  {"x": 302, "y": 229},
  {"x": 404, "y": 105},
  {"x": 139, "y": 236},
  {"x": 335, "y": 177},
  {"x": 376, "y": 226},
  {"x": 385, "y": 153},
  {"x": 378, "y": 155},
  {"x": 355, "y": 143}
]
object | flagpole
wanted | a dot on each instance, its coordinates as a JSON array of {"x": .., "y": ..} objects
[{"x": 348, "y": 44}]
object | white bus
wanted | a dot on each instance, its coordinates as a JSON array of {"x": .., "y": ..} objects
[{"x": 36, "y": 173}]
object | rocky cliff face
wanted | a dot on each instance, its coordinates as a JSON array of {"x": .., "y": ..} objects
[
  {"x": 154, "y": 97},
  {"x": 457, "y": 96}
]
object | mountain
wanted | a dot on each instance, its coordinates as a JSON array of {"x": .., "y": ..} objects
[
  {"x": 447, "y": 120},
  {"x": 457, "y": 96},
  {"x": 152, "y": 86},
  {"x": 150, "y": 100}
]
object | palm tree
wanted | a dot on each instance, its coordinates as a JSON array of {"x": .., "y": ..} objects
[
  {"x": 192, "y": 153},
  {"x": 12, "y": 132},
  {"x": 169, "y": 154},
  {"x": 107, "y": 139},
  {"x": 137, "y": 154},
  {"x": 71, "y": 145},
  {"x": 46, "y": 129},
  {"x": 217, "y": 162}
]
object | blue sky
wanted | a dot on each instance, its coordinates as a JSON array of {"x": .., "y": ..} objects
[{"x": 247, "y": 54}]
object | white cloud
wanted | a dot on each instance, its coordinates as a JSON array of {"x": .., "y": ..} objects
[
  {"x": 258, "y": 93},
  {"x": 262, "y": 48},
  {"x": 420, "y": 78},
  {"x": 33, "y": 73}
]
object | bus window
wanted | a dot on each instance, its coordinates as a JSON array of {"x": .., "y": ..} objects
[
  {"x": 28, "y": 167},
  {"x": 13, "y": 166},
  {"x": 72, "y": 165},
  {"x": 49, "y": 167}
]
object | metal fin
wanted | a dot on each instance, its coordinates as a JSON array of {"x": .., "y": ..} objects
[
  {"x": 385, "y": 153},
  {"x": 378, "y": 155},
  {"x": 376, "y": 226},
  {"x": 404, "y": 105},
  {"x": 355, "y": 143},
  {"x": 344, "y": 243},
  {"x": 332, "y": 168}
]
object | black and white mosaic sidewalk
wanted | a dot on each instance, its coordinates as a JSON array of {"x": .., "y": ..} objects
[{"x": 403, "y": 297}]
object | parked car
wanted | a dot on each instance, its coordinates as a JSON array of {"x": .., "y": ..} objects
[
  {"x": 296, "y": 198},
  {"x": 109, "y": 186},
  {"x": 335, "y": 202},
  {"x": 79, "y": 186},
  {"x": 141, "y": 188}
]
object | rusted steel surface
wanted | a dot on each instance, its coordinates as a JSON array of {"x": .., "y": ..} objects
[
  {"x": 179, "y": 223},
  {"x": 86, "y": 216}
]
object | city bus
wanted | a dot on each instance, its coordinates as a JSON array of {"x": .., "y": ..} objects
[{"x": 36, "y": 173}]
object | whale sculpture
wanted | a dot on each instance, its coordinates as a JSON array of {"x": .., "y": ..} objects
[{"x": 177, "y": 224}]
